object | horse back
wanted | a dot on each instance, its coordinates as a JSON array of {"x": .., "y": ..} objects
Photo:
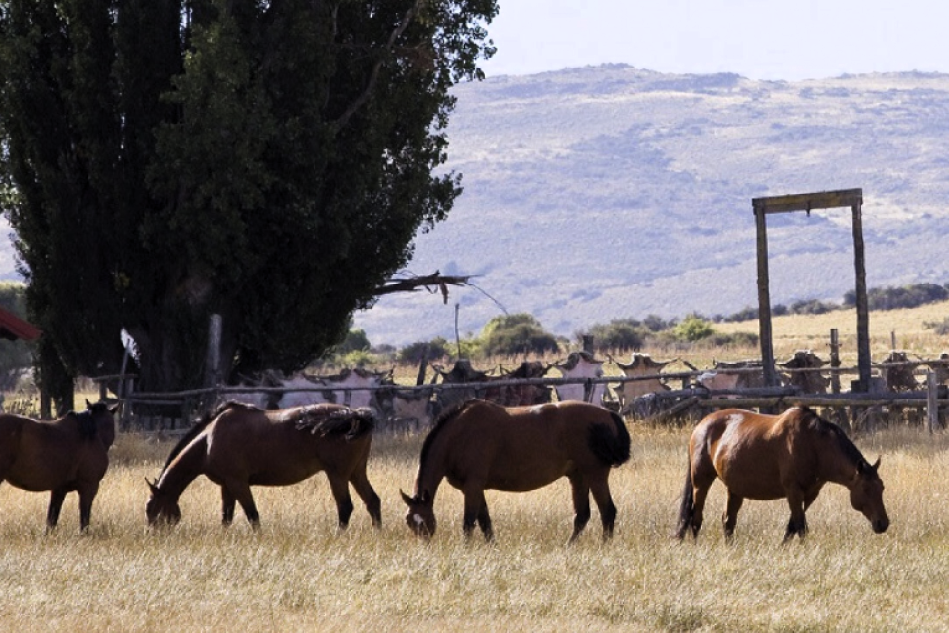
[{"x": 272, "y": 448}]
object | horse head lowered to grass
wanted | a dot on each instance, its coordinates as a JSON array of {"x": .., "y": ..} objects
[
  {"x": 789, "y": 456},
  {"x": 239, "y": 446},
  {"x": 62, "y": 456},
  {"x": 480, "y": 445}
]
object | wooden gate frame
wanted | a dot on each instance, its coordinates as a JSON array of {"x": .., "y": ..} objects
[{"x": 852, "y": 198}]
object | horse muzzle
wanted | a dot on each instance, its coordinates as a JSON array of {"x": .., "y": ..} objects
[{"x": 880, "y": 526}]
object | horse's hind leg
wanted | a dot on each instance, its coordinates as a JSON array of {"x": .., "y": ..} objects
[
  {"x": 604, "y": 501},
  {"x": 87, "y": 493},
  {"x": 344, "y": 502},
  {"x": 364, "y": 489},
  {"x": 581, "y": 504},
  {"x": 56, "y": 498},
  {"x": 227, "y": 507},
  {"x": 730, "y": 518},
  {"x": 698, "y": 505}
]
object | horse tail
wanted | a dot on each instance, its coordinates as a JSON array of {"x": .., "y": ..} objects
[
  {"x": 611, "y": 448},
  {"x": 686, "y": 507}
]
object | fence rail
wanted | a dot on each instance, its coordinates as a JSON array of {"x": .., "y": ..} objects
[{"x": 191, "y": 403}]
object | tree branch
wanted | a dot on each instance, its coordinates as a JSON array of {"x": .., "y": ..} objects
[
  {"x": 363, "y": 98},
  {"x": 433, "y": 283}
]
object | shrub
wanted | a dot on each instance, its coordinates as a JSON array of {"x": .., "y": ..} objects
[
  {"x": 692, "y": 328},
  {"x": 514, "y": 334}
]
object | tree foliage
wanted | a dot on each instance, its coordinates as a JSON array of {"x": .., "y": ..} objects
[
  {"x": 271, "y": 162},
  {"x": 516, "y": 334}
]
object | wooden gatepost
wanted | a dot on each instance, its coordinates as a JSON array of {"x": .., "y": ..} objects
[{"x": 807, "y": 202}]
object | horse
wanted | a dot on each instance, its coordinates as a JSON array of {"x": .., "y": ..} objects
[
  {"x": 480, "y": 445},
  {"x": 62, "y": 456},
  {"x": 767, "y": 457},
  {"x": 239, "y": 446}
]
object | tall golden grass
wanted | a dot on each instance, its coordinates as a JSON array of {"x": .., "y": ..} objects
[{"x": 299, "y": 573}]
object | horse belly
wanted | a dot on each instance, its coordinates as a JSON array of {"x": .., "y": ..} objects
[{"x": 752, "y": 479}]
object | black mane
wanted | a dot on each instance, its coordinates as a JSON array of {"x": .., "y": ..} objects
[
  {"x": 440, "y": 423},
  {"x": 846, "y": 446}
]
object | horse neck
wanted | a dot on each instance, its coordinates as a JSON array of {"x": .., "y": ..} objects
[
  {"x": 183, "y": 469},
  {"x": 431, "y": 469},
  {"x": 838, "y": 466}
]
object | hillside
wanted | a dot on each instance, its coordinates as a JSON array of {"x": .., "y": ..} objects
[
  {"x": 610, "y": 192},
  {"x": 601, "y": 193}
]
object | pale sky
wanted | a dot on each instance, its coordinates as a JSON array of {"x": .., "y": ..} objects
[{"x": 759, "y": 39}]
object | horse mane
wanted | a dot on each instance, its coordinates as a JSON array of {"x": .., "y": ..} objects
[
  {"x": 440, "y": 423},
  {"x": 88, "y": 429},
  {"x": 350, "y": 423},
  {"x": 87, "y": 425},
  {"x": 198, "y": 427},
  {"x": 837, "y": 435}
]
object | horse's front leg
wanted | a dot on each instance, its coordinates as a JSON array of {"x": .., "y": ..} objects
[
  {"x": 56, "y": 498},
  {"x": 240, "y": 491},
  {"x": 476, "y": 509},
  {"x": 730, "y": 518},
  {"x": 797, "y": 524}
]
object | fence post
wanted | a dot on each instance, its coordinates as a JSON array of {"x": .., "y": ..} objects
[
  {"x": 213, "y": 376},
  {"x": 932, "y": 402}
]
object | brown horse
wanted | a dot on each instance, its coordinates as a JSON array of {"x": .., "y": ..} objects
[
  {"x": 239, "y": 446},
  {"x": 62, "y": 456},
  {"x": 480, "y": 445},
  {"x": 766, "y": 457}
]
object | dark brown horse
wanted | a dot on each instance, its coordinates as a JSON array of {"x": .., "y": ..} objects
[
  {"x": 482, "y": 446},
  {"x": 62, "y": 456},
  {"x": 240, "y": 446},
  {"x": 789, "y": 456}
]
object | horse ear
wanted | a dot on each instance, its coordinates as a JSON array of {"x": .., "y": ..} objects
[
  {"x": 876, "y": 465},
  {"x": 407, "y": 499},
  {"x": 153, "y": 486}
]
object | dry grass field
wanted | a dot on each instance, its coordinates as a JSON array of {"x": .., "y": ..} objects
[{"x": 298, "y": 573}]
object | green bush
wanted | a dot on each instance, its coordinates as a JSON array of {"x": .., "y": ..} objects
[
  {"x": 692, "y": 328},
  {"x": 516, "y": 334}
]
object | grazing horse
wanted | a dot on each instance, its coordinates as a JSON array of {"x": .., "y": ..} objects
[
  {"x": 62, "y": 456},
  {"x": 766, "y": 457},
  {"x": 239, "y": 446},
  {"x": 480, "y": 445}
]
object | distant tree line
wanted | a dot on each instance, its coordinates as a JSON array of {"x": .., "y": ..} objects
[{"x": 882, "y": 298}]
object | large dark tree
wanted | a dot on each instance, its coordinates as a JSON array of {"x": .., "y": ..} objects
[{"x": 271, "y": 162}]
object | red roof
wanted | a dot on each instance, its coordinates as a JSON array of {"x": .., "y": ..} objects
[{"x": 13, "y": 327}]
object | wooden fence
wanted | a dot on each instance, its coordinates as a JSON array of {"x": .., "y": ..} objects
[{"x": 173, "y": 412}]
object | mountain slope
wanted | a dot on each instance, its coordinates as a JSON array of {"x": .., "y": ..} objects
[{"x": 611, "y": 192}]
